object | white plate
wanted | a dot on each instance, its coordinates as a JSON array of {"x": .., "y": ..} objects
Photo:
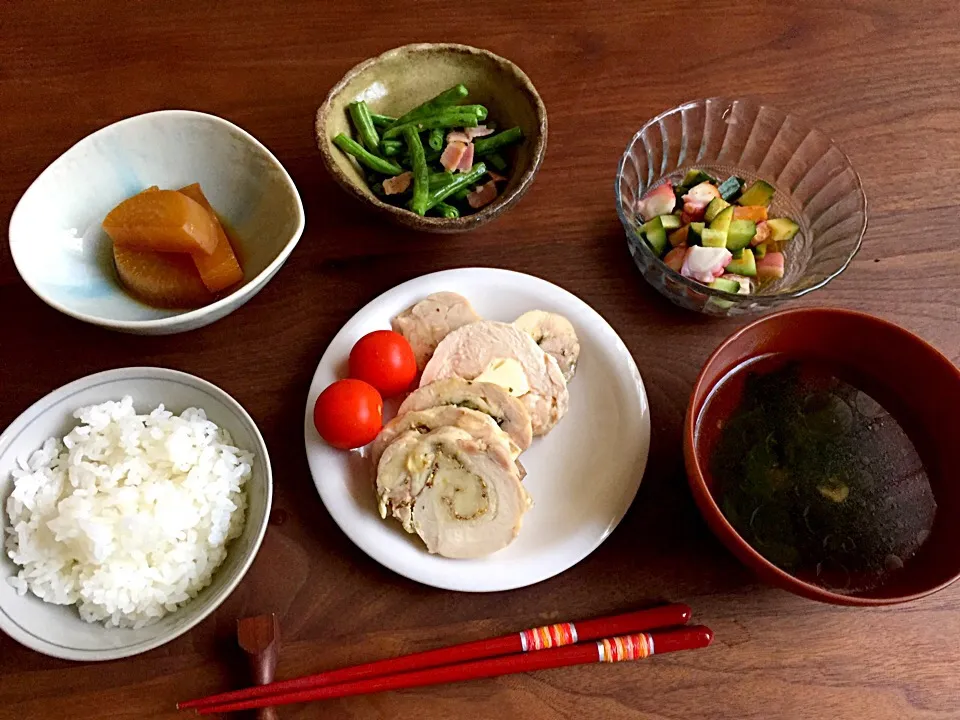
[{"x": 582, "y": 476}]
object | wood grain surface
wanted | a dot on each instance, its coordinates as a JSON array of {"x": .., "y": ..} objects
[{"x": 880, "y": 77}]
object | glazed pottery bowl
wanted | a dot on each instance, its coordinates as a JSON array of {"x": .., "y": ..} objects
[
  {"x": 58, "y": 630},
  {"x": 63, "y": 254},
  {"x": 402, "y": 78},
  {"x": 815, "y": 185},
  {"x": 914, "y": 382}
]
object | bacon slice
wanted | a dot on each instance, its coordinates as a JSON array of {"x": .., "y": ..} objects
[
  {"x": 398, "y": 184},
  {"x": 466, "y": 162},
  {"x": 483, "y": 195},
  {"x": 478, "y": 131},
  {"x": 458, "y": 136},
  {"x": 452, "y": 155}
]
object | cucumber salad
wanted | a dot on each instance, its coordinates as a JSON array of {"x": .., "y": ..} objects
[{"x": 717, "y": 233}]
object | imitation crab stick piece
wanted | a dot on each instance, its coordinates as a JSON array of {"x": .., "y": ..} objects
[
  {"x": 168, "y": 280},
  {"x": 163, "y": 221},
  {"x": 221, "y": 269}
]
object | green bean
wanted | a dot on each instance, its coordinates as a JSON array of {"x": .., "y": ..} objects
[
  {"x": 436, "y": 139},
  {"x": 497, "y": 160},
  {"x": 352, "y": 147},
  {"x": 452, "y": 117},
  {"x": 382, "y": 121},
  {"x": 421, "y": 175},
  {"x": 360, "y": 114},
  {"x": 461, "y": 181},
  {"x": 439, "y": 179},
  {"x": 443, "y": 100},
  {"x": 461, "y": 195},
  {"x": 479, "y": 110},
  {"x": 390, "y": 148},
  {"x": 446, "y": 211},
  {"x": 482, "y": 146}
]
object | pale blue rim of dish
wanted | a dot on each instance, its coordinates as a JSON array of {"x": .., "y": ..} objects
[
  {"x": 13, "y": 431},
  {"x": 247, "y": 289},
  {"x": 768, "y": 300}
]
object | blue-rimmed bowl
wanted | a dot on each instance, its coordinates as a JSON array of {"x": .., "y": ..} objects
[
  {"x": 816, "y": 186},
  {"x": 63, "y": 254},
  {"x": 58, "y": 630}
]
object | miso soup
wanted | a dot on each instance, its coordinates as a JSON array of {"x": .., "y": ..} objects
[{"x": 815, "y": 474}]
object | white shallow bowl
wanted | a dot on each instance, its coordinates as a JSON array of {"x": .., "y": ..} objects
[
  {"x": 57, "y": 630},
  {"x": 66, "y": 258},
  {"x": 583, "y": 476}
]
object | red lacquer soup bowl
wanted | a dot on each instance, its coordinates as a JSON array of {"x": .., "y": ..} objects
[{"x": 913, "y": 381}]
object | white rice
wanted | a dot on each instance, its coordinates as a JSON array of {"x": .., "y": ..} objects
[{"x": 129, "y": 515}]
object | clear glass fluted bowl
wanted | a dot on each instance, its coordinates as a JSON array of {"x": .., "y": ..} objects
[{"x": 816, "y": 186}]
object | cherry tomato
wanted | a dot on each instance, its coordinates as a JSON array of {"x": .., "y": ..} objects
[
  {"x": 348, "y": 414},
  {"x": 384, "y": 359}
]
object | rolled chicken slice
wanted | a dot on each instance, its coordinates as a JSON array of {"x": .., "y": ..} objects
[
  {"x": 429, "y": 321},
  {"x": 555, "y": 336},
  {"x": 461, "y": 495},
  {"x": 488, "y": 350},
  {"x": 489, "y": 398},
  {"x": 478, "y": 424}
]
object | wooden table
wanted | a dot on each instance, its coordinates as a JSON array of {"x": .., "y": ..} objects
[{"x": 880, "y": 77}]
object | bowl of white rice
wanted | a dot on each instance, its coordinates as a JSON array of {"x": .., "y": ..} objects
[{"x": 133, "y": 501}]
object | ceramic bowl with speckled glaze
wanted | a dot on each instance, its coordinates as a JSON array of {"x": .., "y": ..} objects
[
  {"x": 402, "y": 78},
  {"x": 63, "y": 254}
]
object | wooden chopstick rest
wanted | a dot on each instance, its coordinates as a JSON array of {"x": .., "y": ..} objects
[{"x": 259, "y": 636}]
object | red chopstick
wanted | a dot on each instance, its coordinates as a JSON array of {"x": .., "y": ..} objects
[
  {"x": 535, "y": 639},
  {"x": 627, "y": 647}
]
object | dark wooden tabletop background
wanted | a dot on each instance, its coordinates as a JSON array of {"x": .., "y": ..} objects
[{"x": 880, "y": 77}]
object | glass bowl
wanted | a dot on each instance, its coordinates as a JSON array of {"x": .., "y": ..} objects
[{"x": 816, "y": 186}]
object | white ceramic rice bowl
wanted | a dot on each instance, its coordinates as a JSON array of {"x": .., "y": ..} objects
[
  {"x": 63, "y": 254},
  {"x": 57, "y": 630}
]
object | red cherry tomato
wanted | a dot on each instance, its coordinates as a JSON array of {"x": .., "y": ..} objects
[
  {"x": 348, "y": 414},
  {"x": 384, "y": 359}
]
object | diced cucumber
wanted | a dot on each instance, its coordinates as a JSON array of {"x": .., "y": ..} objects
[
  {"x": 695, "y": 177},
  {"x": 740, "y": 234},
  {"x": 656, "y": 235},
  {"x": 782, "y": 229},
  {"x": 745, "y": 265},
  {"x": 669, "y": 222},
  {"x": 760, "y": 251},
  {"x": 730, "y": 286},
  {"x": 695, "y": 234},
  {"x": 657, "y": 240},
  {"x": 715, "y": 207},
  {"x": 722, "y": 220},
  {"x": 760, "y": 193},
  {"x": 713, "y": 238},
  {"x": 731, "y": 188}
]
